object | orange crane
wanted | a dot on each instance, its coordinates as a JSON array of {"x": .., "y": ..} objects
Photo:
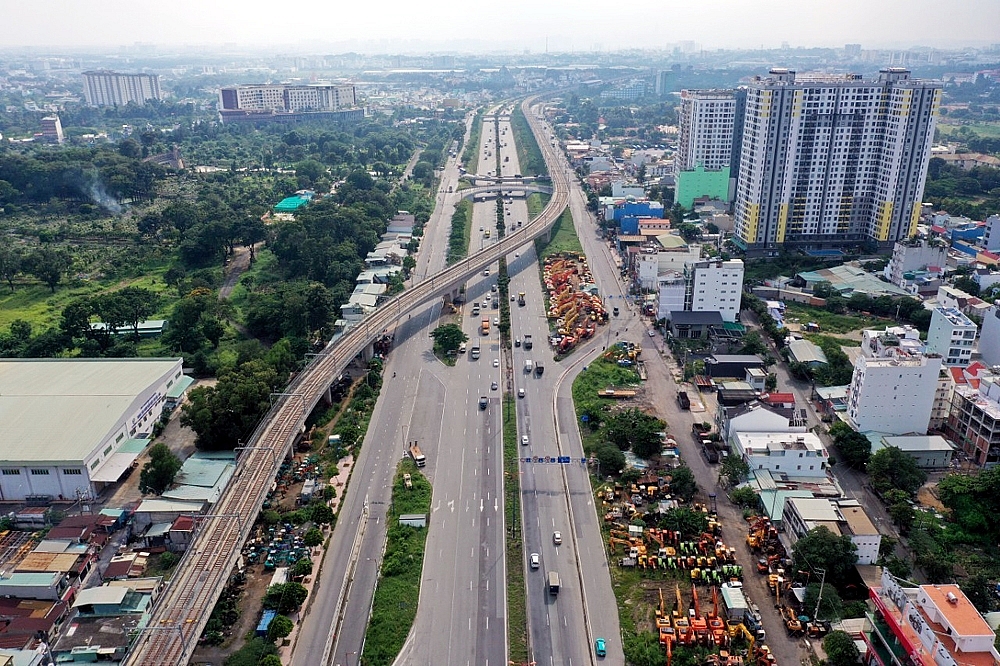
[
  {"x": 716, "y": 625},
  {"x": 681, "y": 625},
  {"x": 698, "y": 623}
]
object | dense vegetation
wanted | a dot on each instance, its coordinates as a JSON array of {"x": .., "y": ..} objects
[
  {"x": 156, "y": 246},
  {"x": 974, "y": 193}
]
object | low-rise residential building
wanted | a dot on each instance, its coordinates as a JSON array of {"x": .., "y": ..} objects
[
  {"x": 974, "y": 422},
  {"x": 756, "y": 416},
  {"x": 914, "y": 255},
  {"x": 732, "y": 365},
  {"x": 716, "y": 286},
  {"x": 929, "y": 625},
  {"x": 989, "y": 341},
  {"x": 807, "y": 353},
  {"x": 843, "y": 517},
  {"x": 894, "y": 383},
  {"x": 791, "y": 454},
  {"x": 693, "y": 325},
  {"x": 928, "y": 451},
  {"x": 952, "y": 335}
]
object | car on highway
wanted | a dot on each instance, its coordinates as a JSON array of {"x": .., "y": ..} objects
[
  {"x": 483, "y": 402},
  {"x": 535, "y": 560},
  {"x": 557, "y": 538},
  {"x": 496, "y": 363},
  {"x": 520, "y": 393},
  {"x": 517, "y": 341},
  {"x": 524, "y": 440},
  {"x": 494, "y": 386},
  {"x": 600, "y": 648},
  {"x": 486, "y": 272},
  {"x": 652, "y": 333},
  {"x": 492, "y": 288},
  {"x": 480, "y": 229},
  {"x": 496, "y": 321}
]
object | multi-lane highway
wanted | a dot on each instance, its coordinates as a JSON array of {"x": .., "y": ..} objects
[
  {"x": 461, "y": 617},
  {"x": 184, "y": 607}
]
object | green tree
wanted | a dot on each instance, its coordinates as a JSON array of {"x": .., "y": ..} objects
[
  {"x": 321, "y": 513},
  {"x": 968, "y": 285},
  {"x": 831, "y": 607},
  {"x": 223, "y": 414},
  {"x": 610, "y": 457},
  {"x": 635, "y": 430},
  {"x": 682, "y": 483},
  {"x": 854, "y": 447},
  {"x": 270, "y": 660},
  {"x": 744, "y": 497},
  {"x": 448, "y": 338},
  {"x": 313, "y": 537},
  {"x": 840, "y": 649},
  {"x": 734, "y": 470},
  {"x": 685, "y": 520},
  {"x": 822, "y": 549},
  {"x": 159, "y": 472},
  {"x": 302, "y": 568},
  {"x": 285, "y": 597},
  {"x": 252, "y": 653},
  {"x": 11, "y": 261},
  {"x": 279, "y": 628},
  {"x": 891, "y": 468},
  {"x": 48, "y": 265},
  {"x": 753, "y": 343},
  {"x": 642, "y": 649},
  {"x": 771, "y": 382}
]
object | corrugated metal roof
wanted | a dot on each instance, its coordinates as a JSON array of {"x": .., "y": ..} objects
[
  {"x": 91, "y": 394},
  {"x": 111, "y": 595}
]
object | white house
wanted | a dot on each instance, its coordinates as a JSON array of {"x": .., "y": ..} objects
[
  {"x": 842, "y": 517},
  {"x": 790, "y": 454}
]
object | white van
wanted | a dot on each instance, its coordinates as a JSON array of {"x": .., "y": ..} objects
[{"x": 529, "y": 365}]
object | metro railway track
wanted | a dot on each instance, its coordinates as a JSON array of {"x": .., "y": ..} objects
[{"x": 183, "y": 609}]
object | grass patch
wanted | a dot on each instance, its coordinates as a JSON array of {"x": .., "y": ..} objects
[
  {"x": 395, "y": 604},
  {"x": 537, "y": 201},
  {"x": 819, "y": 339},
  {"x": 529, "y": 157},
  {"x": 829, "y": 322},
  {"x": 983, "y": 129},
  {"x": 600, "y": 375},
  {"x": 517, "y": 613},
  {"x": 470, "y": 156},
  {"x": 37, "y": 305},
  {"x": 563, "y": 238},
  {"x": 461, "y": 231}
]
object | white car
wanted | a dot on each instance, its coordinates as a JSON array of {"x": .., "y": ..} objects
[
  {"x": 524, "y": 440},
  {"x": 557, "y": 538},
  {"x": 496, "y": 363},
  {"x": 520, "y": 393},
  {"x": 496, "y": 321},
  {"x": 486, "y": 272},
  {"x": 536, "y": 561},
  {"x": 494, "y": 386}
]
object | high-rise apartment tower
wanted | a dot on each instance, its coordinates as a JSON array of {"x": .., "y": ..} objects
[
  {"x": 105, "y": 88},
  {"x": 832, "y": 161}
]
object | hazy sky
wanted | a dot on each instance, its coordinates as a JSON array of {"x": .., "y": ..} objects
[{"x": 408, "y": 25}]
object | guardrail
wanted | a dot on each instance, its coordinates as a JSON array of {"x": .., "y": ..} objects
[{"x": 183, "y": 609}]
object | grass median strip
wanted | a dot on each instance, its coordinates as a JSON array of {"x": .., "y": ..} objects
[
  {"x": 395, "y": 604},
  {"x": 529, "y": 156},
  {"x": 470, "y": 156},
  {"x": 461, "y": 229},
  {"x": 563, "y": 238},
  {"x": 517, "y": 613}
]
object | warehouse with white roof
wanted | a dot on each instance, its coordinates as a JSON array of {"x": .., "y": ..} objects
[{"x": 70, "y": 427}]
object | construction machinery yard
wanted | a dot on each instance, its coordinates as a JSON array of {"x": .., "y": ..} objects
[
  {"x": 575, "y": 307},
  {"x": 678, "y": 570}
]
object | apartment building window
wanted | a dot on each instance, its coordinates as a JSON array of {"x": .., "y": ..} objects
[
  {"x": 72, "y": 471},
  {"x": 39, "y": 472},
  {"x": 11, "y": 472}
]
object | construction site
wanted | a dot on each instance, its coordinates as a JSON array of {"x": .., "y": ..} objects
[
  {"x": 686, "y": 584},
  {"x": 575, "y": 308}
]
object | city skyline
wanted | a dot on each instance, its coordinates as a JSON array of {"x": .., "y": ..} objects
[{"x": 556, "y": 25}]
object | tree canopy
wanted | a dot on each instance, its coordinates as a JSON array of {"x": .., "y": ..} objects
[
  {"x": 890, "y": 468},
  {"x": 635, "y": 430},
  {"x": 854, "y": 447},
  {"x": 158, "y": 474},
  {"x": 840, "y": 649},
  {"x": 822, "y": 549}
]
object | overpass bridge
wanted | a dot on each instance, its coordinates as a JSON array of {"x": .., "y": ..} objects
[
  {"x": 183, "y": 609},
  {"x": 513, "y": 191}
]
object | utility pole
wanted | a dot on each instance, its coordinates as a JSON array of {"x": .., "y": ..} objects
[{"x": 819, "y": 598}]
